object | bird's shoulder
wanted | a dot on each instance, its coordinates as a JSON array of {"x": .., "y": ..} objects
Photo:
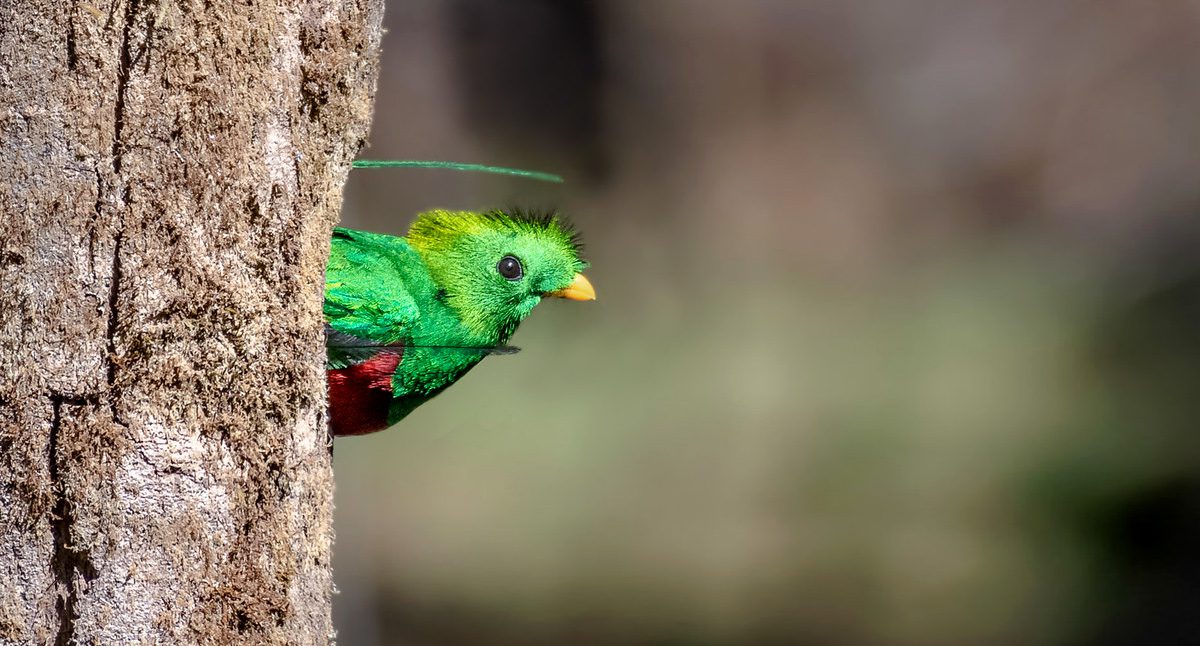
[{"x": 372, "y": 285}]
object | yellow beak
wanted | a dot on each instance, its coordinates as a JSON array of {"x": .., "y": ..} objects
[{"x": 580, "y": 289}]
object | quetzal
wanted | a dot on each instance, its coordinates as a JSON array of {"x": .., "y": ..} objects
[{"x": 406, "y": 317}]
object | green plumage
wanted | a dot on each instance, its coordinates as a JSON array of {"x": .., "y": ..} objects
[{"x": 439, "y": 294}]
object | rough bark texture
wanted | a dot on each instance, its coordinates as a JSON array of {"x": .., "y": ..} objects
[{"x": 169, "y": 172}]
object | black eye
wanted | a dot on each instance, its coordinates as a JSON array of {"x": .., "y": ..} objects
[{"x": 510, "y": 268}]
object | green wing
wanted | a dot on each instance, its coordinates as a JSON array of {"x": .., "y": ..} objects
[{"x": 369, "y": 286}]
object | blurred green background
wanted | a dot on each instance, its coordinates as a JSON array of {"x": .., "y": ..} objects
[{"x": 896, "y": 339}]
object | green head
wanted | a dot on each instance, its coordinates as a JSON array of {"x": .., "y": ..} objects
[{"x": 496, "y": 266}]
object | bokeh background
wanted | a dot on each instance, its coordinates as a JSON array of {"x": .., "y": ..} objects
[{"x": 897, "y": 338}]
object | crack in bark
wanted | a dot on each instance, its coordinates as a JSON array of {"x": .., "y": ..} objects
[
  {"x": 114, "y": 293},
  {"x": 123, "y": 72},
  {"x": 72, "y": 54},
  {"x": 67, "y": 562},
  {"x": 94, "y": 220}
]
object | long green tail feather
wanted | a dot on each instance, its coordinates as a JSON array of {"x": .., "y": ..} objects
[
  {"x": 343, "y": 350},
  {"x": 480, "y": 168}
]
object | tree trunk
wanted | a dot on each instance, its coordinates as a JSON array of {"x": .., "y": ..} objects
[{"x": 169, "y": 173}]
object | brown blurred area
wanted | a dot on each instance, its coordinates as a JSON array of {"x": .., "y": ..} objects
[{"x": 896, "y": 339}]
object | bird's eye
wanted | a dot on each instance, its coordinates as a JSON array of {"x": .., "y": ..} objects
[{"x": 510, "y": 268}]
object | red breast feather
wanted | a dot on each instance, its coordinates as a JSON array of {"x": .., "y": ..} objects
[{"x": 361, "y": 395}]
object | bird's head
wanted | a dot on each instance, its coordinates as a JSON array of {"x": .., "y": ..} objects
[{"x": 495, "y": 266}]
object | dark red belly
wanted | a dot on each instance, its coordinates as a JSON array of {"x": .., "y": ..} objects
[{"x": 360, "y": 396}]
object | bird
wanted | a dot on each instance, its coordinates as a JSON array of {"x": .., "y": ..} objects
[{"x": 406, "y": 317}]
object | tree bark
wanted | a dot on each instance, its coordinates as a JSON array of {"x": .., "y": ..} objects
[{"x": 169, "y": 173}]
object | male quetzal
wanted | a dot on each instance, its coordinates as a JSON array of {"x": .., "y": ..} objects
[{"x": 406, "y": 317}]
